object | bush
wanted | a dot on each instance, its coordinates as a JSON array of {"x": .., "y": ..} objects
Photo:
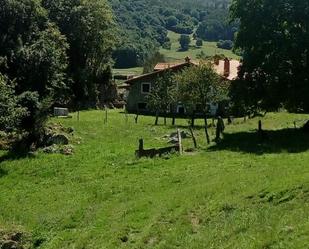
[
  {"x": 167, "y": 45},
  {"x": 199, "y": 42},
  {"x": 11, "y": 112},
  {"x": 225, "y": 44},
  {"x": 184, "y": 42}
]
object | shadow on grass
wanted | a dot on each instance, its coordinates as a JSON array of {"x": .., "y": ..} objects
[
  {"x": 12, "y": 156},
  {"x": 3, "y": 172},
  {"x": 275, "y": 141}
]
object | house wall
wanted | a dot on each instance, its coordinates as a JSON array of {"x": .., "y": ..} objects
[{"x": 136, "y": 96}]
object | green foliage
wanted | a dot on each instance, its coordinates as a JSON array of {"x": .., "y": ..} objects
[
  {"x": 89, "y": 28},
  {"x": 163, "y": 93},
  {"x": 199, "y": 42},
  {"x": 32, "y": 50},
  {"x": 143, "y": 24},
  {"x": 225, "y": 44},
  {"x": 184, "y": 41},
  {"x": 216, "y": 26},
  {"x": 201, "y": 86},
  {"x": 33, "y": 56},
  {"x": 11, "y": 112},
  {"x": 273, "y": 36},
  {"x": 151, "y": 62}
]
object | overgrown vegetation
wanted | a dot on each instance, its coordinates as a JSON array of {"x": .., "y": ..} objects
[{"x": 51, "y": 53}]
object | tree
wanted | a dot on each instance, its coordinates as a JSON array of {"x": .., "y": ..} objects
[
  {"x": 162, "y": 94},
  {"x": 199, "y": 42},
  {"x": 273, "y": 36},
  {"x": 184, "y": 42},
  {"x": 171, "y": 21},
  {"x": 201, "y": 86},
  {"x": 33, "y": 56},
  {"x": 89, "y": 28},
  {"x": 11, "y": 113},
  {"x": 151, "y": 62},
  {"x": 225, "y": 44}
]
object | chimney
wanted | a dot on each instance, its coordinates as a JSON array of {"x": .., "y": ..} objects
[
  {"x": 227, "y": 67},
  {"x": 188, "y": 59}
]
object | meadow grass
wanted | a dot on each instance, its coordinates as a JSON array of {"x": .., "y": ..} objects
[
  {"x": 209, "y": 48},
  {"x": 240, "y": 193},
  {"x": 128, "y": 71}
]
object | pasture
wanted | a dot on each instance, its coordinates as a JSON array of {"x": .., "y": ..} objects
[{"x": 240, "y": 193}]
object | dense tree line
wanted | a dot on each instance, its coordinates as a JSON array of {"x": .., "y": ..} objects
[
  {"x": 274, "y": 38},
  {"x": 143, "y": 25},
  {"x": 51, "y": 52}
]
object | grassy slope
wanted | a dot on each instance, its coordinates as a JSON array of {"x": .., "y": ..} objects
[
  {"x": 128, "y": 71},
  {"x": 237, "y": 195},
  {"x": 209, "y": 48}
]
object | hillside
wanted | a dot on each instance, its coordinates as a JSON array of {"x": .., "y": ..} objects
[
  {"x": 208, "y": 49},
  {"x": 144, "y": 25},
  {"x": 239, "y": 194}
]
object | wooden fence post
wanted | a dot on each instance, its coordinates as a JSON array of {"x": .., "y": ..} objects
[
  {"x": 193, "y": 137},
  {"x": 141, "y": 145},
  {"x": 179, "y": 141}
]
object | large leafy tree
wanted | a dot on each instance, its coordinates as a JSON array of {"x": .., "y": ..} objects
[
  {"x": 89, "y": 28},
  {"x": 11, "y": 113},
  {"x": 162, "y": 95},
  {"x": 274, "y": 38},
  {"x": 201, "y": 86},
  {"x": 33, "y": 56},
  {"x": 32, "y": 50}
]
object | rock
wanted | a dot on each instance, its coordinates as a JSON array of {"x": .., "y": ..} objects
[
  {"x": 58, "y": 139},
  {"x": 51, "y": 149},
  {"x": 67, "y": 150},
  {"x": 10, "y": 244},
  {"x": 16, "y": 236},
  {"x": 174, "y": 140}
]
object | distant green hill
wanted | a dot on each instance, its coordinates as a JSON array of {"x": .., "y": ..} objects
[{"x": 144, "y": 25}]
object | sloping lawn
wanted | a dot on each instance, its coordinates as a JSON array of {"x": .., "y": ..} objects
[
  {"x": 209, "y": 48},
  {"x": 240, "y": 193}
]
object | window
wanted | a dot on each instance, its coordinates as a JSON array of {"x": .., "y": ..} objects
[
  {"x": 146, "y": 88},
  {"x": 142, "y": 106}
]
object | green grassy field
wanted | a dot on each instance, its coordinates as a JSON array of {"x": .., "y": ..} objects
[
  {"x": 128, "y": 71},
  {"x": 209, "y": 48},
  {"x": 172, "y": 55},
  {"x": 238, "y": 194}
]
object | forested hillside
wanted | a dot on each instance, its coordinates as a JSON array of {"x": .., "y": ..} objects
[{"x": 143, "y": 25}]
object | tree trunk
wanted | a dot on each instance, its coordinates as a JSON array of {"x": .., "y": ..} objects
[
  {"x": 192, "y": 119},
  {"x": 173, "y": 121},
  {"x": 206, "y": 130},
  {"x": 193, "y": 137},
  {"x": 157, "y": 118}
]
